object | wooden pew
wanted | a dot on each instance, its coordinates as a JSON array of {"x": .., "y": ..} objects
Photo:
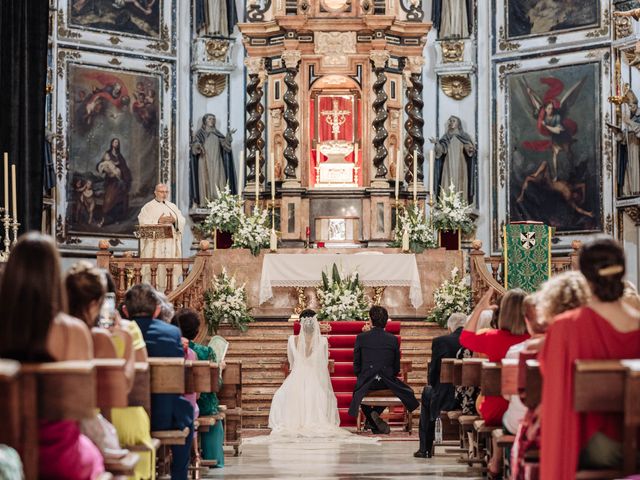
[
  {"x": 471, "y": 372},
  {"x": 140, "y": 394},
  {"x": 230, "y": 396},
  {"x": 491, "y": 379},
  {"x": 604, "y": 386},
  {"x": 533, "y": 387},
  {"x": 10, "y": 403},
  {"x": 111, "y": 384},
  {"x": 509, "y": 376},
  {"x": 446, "y": 370}
]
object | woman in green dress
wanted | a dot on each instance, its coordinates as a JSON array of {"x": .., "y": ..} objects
[{"x": 188, "y": 321}]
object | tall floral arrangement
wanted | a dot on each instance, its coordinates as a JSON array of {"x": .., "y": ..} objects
[
  {"x": 341, "y": 297},
  {"x": 226, "y": 303},
  {"x": 453, "y": 296},
  {"x": 254, "y": 231},
  {"x": 224, "y": 213},
  {"x": 452, "y": 212},
  {"x": 420, "y": 233}
]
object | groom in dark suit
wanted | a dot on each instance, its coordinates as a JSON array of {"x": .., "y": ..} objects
[{"x": 376, "y": 363}]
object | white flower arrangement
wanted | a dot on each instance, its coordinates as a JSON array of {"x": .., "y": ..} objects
[
  {"x": 342, "y": 297},
  {"x": 421, "y": 235},
  {"x": 224, "y": 213},
  {"x": 254, "y": 231},
  {"x": 452, "y": 212},
  {"x": 226, "y": 303},
  {"x": 453, "y": 296}
]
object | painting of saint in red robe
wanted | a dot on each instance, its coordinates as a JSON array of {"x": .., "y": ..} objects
[{"x": 554, "y": 141}]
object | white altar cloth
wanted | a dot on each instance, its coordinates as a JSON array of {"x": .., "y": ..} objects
[{"x": 374, "y": 270}]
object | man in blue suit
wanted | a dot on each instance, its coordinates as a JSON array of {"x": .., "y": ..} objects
[{"x": 168, "y": 411}]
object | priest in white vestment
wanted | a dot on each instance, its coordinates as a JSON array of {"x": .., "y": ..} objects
[{"x": 161, "y": 211}]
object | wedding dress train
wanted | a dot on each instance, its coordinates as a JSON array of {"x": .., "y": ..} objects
[{"x": 305, "y": 406}]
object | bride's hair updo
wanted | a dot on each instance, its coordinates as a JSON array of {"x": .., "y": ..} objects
[
  {"x": 602, "y": 262},
  {"x": 307, "y": 317}
]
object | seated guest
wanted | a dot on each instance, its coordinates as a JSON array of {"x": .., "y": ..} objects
[
  {"x": 86, "y": 288},
  {"x": 168, "y": 411},
  {"x": 495, "y": 343},
  {"x": 563, "y": 292},
  {"x": 189, "y": 323},
  {"x": 606, "y": 328},
  {"x": 35, "y": 329},
  {"x": 376, "y": 363},
  {"x": 436, "y": 396}
]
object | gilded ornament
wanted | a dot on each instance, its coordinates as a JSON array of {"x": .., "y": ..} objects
[
  {"x": 604, "y": 31},
  {"x": 456, "y": 86},
  {"x": 63, "y": 56},
  {"x": 212, "y": 84},
  {"x": 506, "y": 45},
  {"x": 452, "y": 51},
  {"x": 634, "y": 213},
  {"x": 502, "y": 156},
  {"x": 60, "y": 150},
  {"x": 165, "y": 156},
  {"x": 114, "y": 40},
  {"x": 622, "y": 25},
  {"x": 608, "y": 224},
  {"x": 63, "y": 31},
  {"x": 115, "y": 61},
  {"x": 217, "y": 50},
  {"x": 163, "y": 69},
  {"x": 163, "y": 44},
  {"x": 503, "y": 70}
]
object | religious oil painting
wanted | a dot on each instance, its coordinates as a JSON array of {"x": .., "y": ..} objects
[
  {"x": 129, "y": 17},
  {"x": 554, "y": 131},
  {"x": 114, "y": 146},
  {"x": 549, "y": 17}
]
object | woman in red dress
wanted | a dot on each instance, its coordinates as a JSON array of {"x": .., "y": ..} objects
[
  {"x": 495, "y": 342},
  {"x": 606, "y": 328}
]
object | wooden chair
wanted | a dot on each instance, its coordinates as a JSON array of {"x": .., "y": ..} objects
[{"x": 386, "y": 398}]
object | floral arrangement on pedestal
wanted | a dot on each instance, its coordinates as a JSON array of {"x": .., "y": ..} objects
[
  {"x": 452, "y": 296},
  {"x": 418, "y": 230},
  {"x": 254, "y": 231},
  {"x": 226, "y": 303},
  {"x": 224, "y": 213},
  {"x": 341, "y": 297},
  {"x": 452, "y": 212}
]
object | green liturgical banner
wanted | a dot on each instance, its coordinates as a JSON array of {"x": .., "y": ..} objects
[{"x": 527, "y": 255}]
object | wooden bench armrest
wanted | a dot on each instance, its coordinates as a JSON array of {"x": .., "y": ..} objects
[{"x": 122, "y": 466}]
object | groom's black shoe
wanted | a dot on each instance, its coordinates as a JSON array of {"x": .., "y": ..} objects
[
  {"x": 420, "y": 454},
  {"x": 381, "y": 425}
]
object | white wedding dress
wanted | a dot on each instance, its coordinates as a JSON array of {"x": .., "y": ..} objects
[{"x": 305, "y": 407}]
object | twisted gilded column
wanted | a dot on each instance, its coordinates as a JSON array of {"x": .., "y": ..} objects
[
  {"x": 254, "y": 126},
  {"x": 414, "y": 140},
  {"x": 379, "y": 60},
  {"x": 291, "y": 58}
]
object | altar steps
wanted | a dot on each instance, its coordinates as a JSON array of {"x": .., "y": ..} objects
[{"x": 263, "y": 349}]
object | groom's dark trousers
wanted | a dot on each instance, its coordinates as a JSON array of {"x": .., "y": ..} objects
[{"x": 376, "y": 363}]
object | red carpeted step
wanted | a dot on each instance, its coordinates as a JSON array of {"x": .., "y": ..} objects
[
  {"x": 344, "y": 400},
  {"x": 346, "y": 420},
  {"x": 343, "y": 384},
  {"x": 341, "y": 354},
  {"x": 342, "y": 369},
  {"x": 347, "y": 328}
]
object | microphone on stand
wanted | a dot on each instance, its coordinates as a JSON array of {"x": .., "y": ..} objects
[{"x": 173, "y": 211}]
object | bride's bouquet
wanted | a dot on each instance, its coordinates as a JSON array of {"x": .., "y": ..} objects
[{"x": 341, "y": 297}]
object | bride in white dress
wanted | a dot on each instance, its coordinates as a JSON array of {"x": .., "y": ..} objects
[{"x": 305, "y": 407}]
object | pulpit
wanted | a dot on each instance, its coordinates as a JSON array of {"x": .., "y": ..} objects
[{"x": 153, "y": 233}]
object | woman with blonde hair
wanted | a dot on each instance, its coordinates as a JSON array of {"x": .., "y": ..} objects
[{"x": 565, "y": 291}]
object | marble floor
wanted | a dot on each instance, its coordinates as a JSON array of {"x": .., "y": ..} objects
[{"x": 388, "y": 460}]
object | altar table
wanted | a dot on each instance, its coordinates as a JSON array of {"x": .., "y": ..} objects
[{"x": 374, "y": 269}]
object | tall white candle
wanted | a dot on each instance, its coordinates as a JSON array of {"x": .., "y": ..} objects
[
  {"x": 242, "y": 171},
  {"x": 13, "y": 191},
  {"x": 273, "y": 175},
  {"x": 431, "y": 174},
  {"x": 397, "y": 176},
  {"x": 415, "y": 176},
  {"x": 6, "y": 183}
]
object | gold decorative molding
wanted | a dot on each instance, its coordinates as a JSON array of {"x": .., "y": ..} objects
[
  {"x": 165, "y": 156},
  {"x": 217, "y": 49},
  {"x": 456, "y": 86},
  {"x": 114, "y": 40},
  {"x": 452, "y": 51},
  {"x": 60, "y": 149},
  {"x": 379, "y": 58},
  {"x": 608, "y": 149},
  {"x": 623, "y": 27},
  {"x": 254, "y": 65},
  {"x": 506, "y": 45},
  {"x": 608, "y": 224},
  {"x": 503, "y": 70},
  {"x": 63, "y": 31},
  {"x": 63, "y": 57},
  {"x": 415, "y": 64},
  {"x": 502, "y": 156},
  {"x": 604, "y": 31},
  {"x": 163, "y": 44},
  {"x": 634, "y": 213},
  {"x": 211, "y": 84},
  {"x": 163, "y": 69},
  {"x": 114, "y": 61},
  {"x": 291, "y": 58}
]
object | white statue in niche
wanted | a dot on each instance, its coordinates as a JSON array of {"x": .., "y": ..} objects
[{"x": 452, "y": 18}]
